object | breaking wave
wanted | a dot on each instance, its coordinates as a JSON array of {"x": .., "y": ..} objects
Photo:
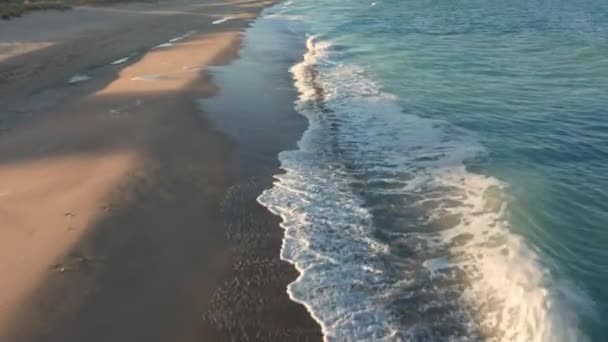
[{"x": 393, "y": 237}]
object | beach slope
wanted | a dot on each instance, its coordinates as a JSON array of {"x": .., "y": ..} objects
[{"x": 113, "y": 186}]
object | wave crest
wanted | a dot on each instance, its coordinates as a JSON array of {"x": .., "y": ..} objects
[{"x": 393, "y": 238}]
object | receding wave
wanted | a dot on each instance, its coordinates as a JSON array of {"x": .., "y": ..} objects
[{"x": 393, "y": 238}]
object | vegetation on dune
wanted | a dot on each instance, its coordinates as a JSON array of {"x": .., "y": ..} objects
[
  {"x": 16, "y": 8},
  {"x": 13, "y": 8}
]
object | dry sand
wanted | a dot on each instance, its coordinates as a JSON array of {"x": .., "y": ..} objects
[{"x": 111, "y": 189}]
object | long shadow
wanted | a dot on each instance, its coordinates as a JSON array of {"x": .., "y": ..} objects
[
  {"x": 44, "y": 71},
  {"x": 141, "y": 271},
  {"x": 106, "y": 113}
]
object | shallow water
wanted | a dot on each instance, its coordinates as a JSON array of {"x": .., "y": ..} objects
[{"x": 452, "y": 181}]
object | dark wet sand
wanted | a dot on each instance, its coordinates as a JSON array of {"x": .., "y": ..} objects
[
  {"x": 263, "y": 123},
  {"x": 124, "y": 214}
]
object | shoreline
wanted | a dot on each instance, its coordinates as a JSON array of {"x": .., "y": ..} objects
[
  {"x": 129, "y": 233},
  {"x": 262, "y": 128}
]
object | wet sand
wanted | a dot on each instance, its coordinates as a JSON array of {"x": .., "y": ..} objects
[{"x": 124, "y": 214}]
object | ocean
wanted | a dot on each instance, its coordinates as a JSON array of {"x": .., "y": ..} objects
[{"x": 452, "y": 184}]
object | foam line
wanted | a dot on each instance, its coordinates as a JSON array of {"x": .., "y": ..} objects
[
  {"x": 79, "y": 78},
  {"x": 223, "y": 20},
  {"x": 393, "y": 237},
  {"x": 120, "y": 61}
]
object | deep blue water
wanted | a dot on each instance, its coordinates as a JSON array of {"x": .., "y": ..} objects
[{"x": 453, "y": 181}]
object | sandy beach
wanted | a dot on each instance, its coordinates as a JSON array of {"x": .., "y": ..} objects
[{"x": 125, "y": 214}]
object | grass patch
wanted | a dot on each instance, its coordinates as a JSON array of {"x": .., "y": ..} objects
[{"x": 10, "y": 9}]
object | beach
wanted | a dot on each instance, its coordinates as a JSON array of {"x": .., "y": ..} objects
[
  {"x": 260, "y": 170},
  {"x": 126, "y": 214}
]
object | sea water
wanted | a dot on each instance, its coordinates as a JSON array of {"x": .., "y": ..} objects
[{"x": 452, "y": 184}]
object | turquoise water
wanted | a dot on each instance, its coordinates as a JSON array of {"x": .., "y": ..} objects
[{"x": 453, "y": 181}]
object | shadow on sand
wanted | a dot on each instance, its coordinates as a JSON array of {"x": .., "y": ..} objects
[{"x": 169, "y": 246}]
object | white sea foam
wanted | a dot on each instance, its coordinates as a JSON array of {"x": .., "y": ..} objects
[
  {"x": 79, "y": 78},
  {"x": 120, "y": 61},
  {"x": 182, "y": 37},
  {"x": 393, "y": 238},
  {"x": 163, "y": 45},
  {"x": 223, "y": 20}
]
